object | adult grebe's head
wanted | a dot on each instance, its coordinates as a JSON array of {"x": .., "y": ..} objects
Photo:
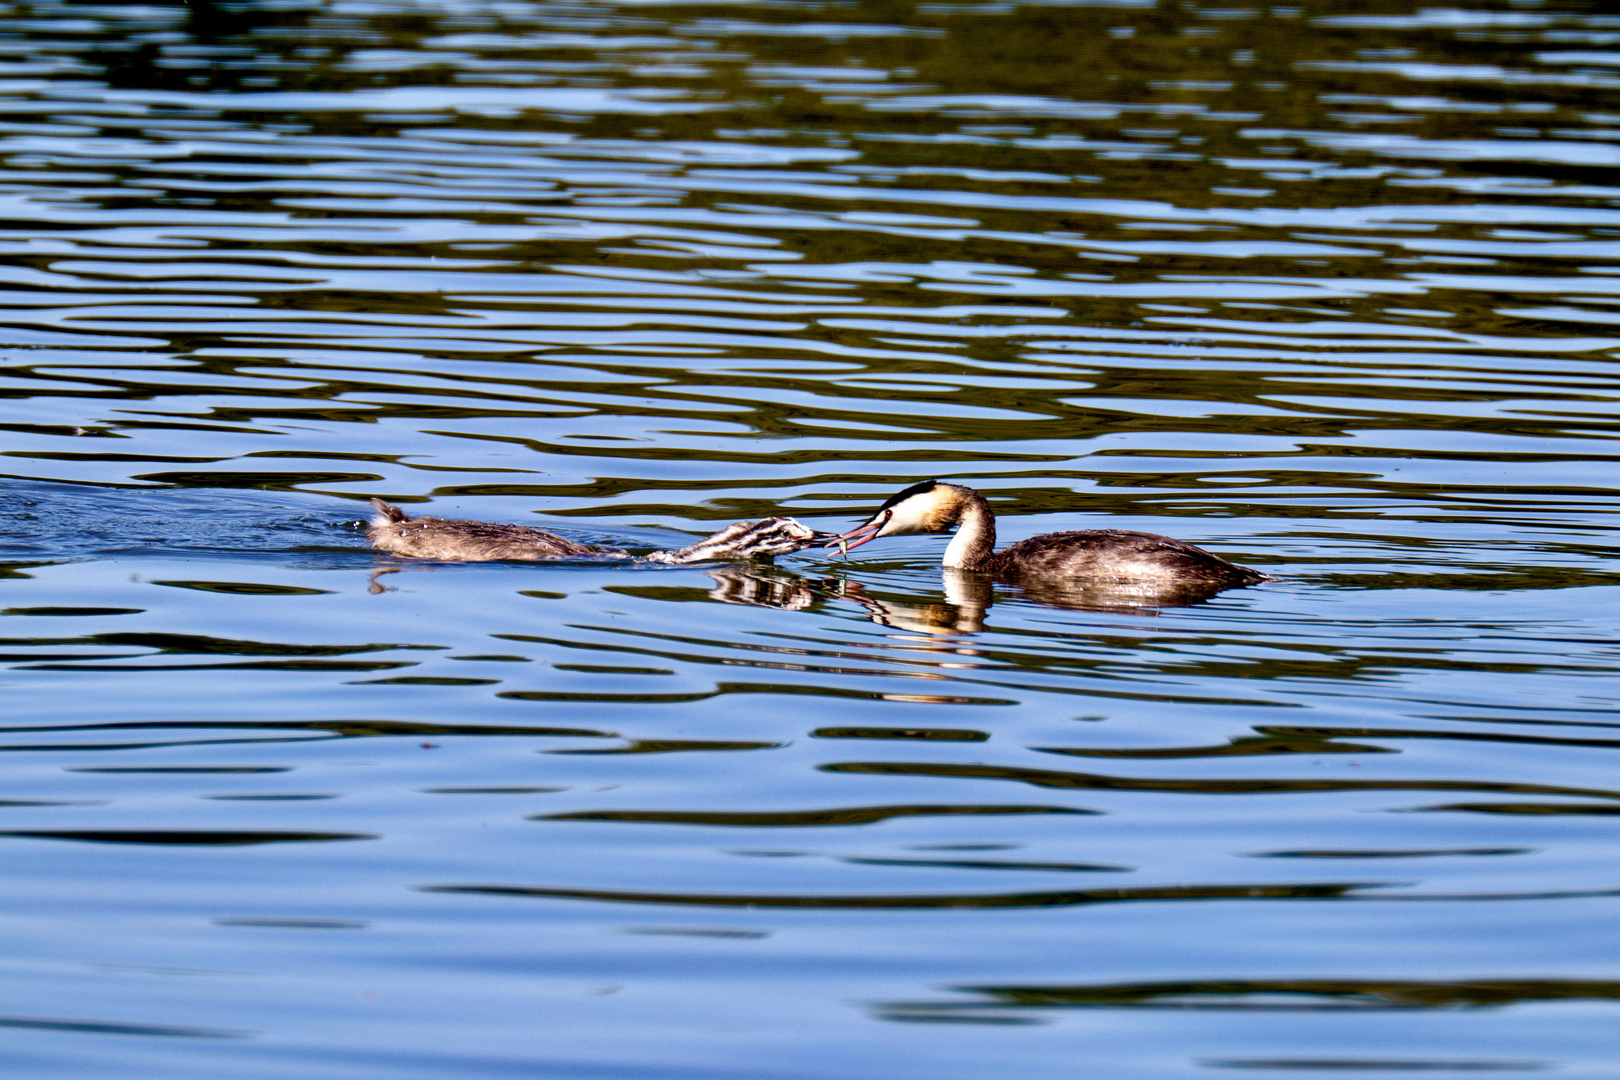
[{"x": 931, "y": 506}]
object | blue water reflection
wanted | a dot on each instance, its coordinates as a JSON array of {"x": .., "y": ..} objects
[{"x": 1329, "y": 292}]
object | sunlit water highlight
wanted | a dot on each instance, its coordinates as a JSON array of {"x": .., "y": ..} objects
[{"x": 1333, "y": 290}]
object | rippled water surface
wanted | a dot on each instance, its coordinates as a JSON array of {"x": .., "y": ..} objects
[{"x": 1331, "y": 288}]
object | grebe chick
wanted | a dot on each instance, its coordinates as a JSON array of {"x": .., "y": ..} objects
[
  {"x": 762, "y": 540},
  {"x": 1103, "y": 555},
  {"x": 479, "y": 541}
]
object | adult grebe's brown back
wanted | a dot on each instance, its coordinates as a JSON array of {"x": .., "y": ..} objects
[
  {"x": 1104, "y": 555},
  {"x": 479, "y": 541}
]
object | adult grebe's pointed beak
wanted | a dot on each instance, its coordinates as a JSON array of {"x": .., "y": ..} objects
[{"x": 862, "y": 535}]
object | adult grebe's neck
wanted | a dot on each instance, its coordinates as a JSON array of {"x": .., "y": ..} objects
[{"x": 976, "y": 538}]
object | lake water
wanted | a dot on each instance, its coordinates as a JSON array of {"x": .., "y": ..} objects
[{"x": 1332, "y": 289}]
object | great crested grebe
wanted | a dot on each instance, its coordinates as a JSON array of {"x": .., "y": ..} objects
[
  {"x": 1089, "y": 555},
  {"x": 480, "y": 541}
]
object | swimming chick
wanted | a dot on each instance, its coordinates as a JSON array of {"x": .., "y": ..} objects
[
  {"x": 478, "y": 541},
  {"x": 1102, "y": 555}
]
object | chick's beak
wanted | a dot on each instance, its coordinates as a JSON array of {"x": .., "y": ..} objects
[{"x": 856, "y": 537}]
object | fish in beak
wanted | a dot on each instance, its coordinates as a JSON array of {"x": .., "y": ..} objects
[{"x": 865, "y": 534}]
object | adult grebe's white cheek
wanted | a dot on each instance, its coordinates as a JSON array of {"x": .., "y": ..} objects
[{"x": 911, "y": 516}]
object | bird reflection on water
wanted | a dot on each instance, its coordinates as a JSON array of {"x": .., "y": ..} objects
[{"x": 968, "y": 596}]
